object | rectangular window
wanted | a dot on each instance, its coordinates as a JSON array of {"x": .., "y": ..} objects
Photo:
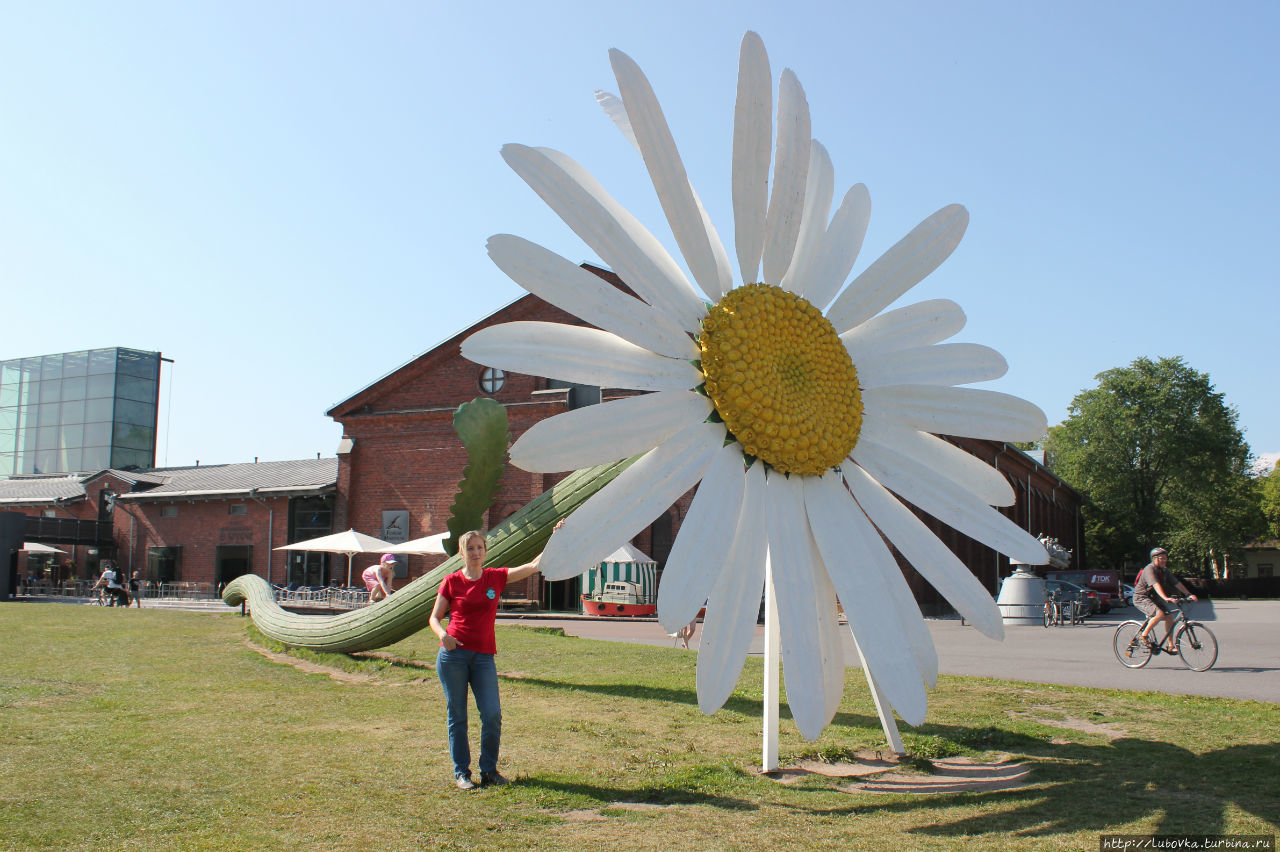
[
  {"x": 164, "y": 564},
  {"x": 238, "y": 509},
  {"x": 1265, "y": 569},
  {"x": 168, "y": 511}
]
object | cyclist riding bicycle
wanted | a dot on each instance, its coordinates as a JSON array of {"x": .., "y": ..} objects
[{"x": 1157, "y": 605}]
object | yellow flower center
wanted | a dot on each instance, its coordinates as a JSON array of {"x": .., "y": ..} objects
[{"x": 781, "y": 379}]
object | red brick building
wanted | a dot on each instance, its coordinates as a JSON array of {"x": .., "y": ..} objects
[{"x": 190, "y": 524}]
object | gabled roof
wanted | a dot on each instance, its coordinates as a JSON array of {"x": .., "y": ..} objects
[
  {"x": 37, "y": 490},
  {"x": 268, "y": 479}
]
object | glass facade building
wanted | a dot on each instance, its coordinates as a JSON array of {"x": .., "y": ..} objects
[{"x": 79, "y": 411}]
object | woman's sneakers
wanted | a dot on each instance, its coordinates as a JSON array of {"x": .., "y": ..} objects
[{"x": 487, "y": 779}]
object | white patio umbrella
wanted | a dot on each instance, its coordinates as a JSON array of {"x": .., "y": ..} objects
[
  {"x": 349, "y": 542},
  {"x": 426, "y": 544},
  {"x": 37, "y": 547}
]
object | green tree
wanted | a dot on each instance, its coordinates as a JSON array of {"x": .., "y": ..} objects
[
  {"x": 1160, "y": 459},
  {"x": 1269, "y": 492}
]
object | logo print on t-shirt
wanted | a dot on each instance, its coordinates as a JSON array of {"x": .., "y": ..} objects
[{"x": 490, "y": 594}]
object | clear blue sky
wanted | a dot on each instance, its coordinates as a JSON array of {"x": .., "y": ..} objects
[{"x": 291, "y": 199}]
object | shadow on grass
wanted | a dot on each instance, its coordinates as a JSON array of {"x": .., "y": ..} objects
[
  {"x": 678, "y": 790},
  {"x": 1095, "y": 788},
  {"x": 735, "y": 704}
]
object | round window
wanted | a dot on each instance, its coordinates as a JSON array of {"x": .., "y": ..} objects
[{"x": 492, "y": 380}]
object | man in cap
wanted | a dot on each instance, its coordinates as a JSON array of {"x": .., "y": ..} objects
[{"x": 1149, "y": 595}]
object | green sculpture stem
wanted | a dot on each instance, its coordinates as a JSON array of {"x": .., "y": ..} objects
[{"x": 515, "y": 541}]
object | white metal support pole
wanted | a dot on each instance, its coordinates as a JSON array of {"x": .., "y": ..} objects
[
  {"x": 772, "y": 640},
  {"x": 883, "y": 710}
]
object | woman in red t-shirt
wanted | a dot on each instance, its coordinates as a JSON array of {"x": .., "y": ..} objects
[{"x": 470, "y": 596}]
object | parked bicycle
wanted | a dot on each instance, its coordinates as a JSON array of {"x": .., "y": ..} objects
[
  {"x": 1059, "y": 610},
  {"x": 1192, "y": 641}
]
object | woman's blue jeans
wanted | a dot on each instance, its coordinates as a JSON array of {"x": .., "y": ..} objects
[{"x": 459, "y": 669}]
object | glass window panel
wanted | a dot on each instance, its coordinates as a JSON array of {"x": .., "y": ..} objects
[
  {"x": 97, "y": 434},
  {"x": 27, "y": 464},
  {"x": 51, "y": 390},
  {"x": 74, "y": 388},
  {"x": 6, "y": 464},
  {"x": 75, "y": 364},
  {"x": 71, "y": 459},
  {"x": 130, "y": 458},
  {"x": 8, "y": 418},
  {"x": 73, "y": 412},
  {"x": 29, "y": 417},
  {"x": 47, "y": 462},
  {"x": 143, "y": 365},
  {"x": 51, "y": 414},
  {"x": 100, "y": 386},
  {"x": 9, "y": 394},
  {"x": 95, "y": 458},
  {"x": 98, "y": 409},
  {"x": 51, "y": 367},
  {"x": 135, "y": 413},
  {"x": 72, "y": 435},
  {"x": 8, "y": 440},
  {"x": 134, "y": 437},
  {"x": 131, "y": 387},
  {"x": 102, "y": 361},
  {"x": 47, "y": 438},
  {"x": 10, "y": 372}
]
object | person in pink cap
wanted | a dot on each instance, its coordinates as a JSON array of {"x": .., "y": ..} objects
[{"x": 377, "y": 578}]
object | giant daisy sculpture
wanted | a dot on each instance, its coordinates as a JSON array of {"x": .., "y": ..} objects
[{"x": 802, "y": 410}]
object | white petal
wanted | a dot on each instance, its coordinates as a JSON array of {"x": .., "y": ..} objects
[
  {"x": 803, "y": 662},
  {"x": 610, "y": 230},
  {"x": 862, "y": 570},
  {"x": 698, "y": 241},
  {"x": 920, "y": 324},
  {"x": 575, "y": 354},
  {"x": 599, "y": 434},
  {"x": 963, "y": 468},
  {"x": 734, "y": 604},
  {"x": 613, "y": 107},
  {"x": 587, "y": 296},
  {"x": 790, "y": 174},
  {"x": 627, "y": 505},
  {"x": 900, "y": 268},
  {"x": 942, "y": 364},
  {"x": 935, "y": 562},
  {"x": 947, "y": 502},
  {"x": 964, "y": 412},
  {"x": 813, "y": 225},
  {"x": 829, "y": 637},
  {"x": 752, "y": 145},
  {"x": 840, "y": 247},
  {"x": 698, "y": 555}
]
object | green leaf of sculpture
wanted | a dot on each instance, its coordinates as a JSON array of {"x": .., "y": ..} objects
[
  {"x": 515, "y": 541},
  {"x": 482, "y": 426}
]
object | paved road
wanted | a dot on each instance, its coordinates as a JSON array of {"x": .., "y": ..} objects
[{"x": 1248, "y": 658}]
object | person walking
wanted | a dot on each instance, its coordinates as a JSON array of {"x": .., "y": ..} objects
[{"x": 470, "y": 597}]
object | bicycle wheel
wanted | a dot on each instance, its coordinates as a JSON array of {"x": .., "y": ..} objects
[
  {"x": 1130, "y": 650},
  {"x": 1197, "y": 646},
  {"x": 1048, "y": 615}
]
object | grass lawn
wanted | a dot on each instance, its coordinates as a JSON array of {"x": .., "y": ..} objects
[{"x": 166, "y": 730}]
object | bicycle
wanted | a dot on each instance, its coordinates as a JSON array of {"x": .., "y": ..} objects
[
  {"x": 1058, "y": 612},
  {"x": 1193, "y": 642}
]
